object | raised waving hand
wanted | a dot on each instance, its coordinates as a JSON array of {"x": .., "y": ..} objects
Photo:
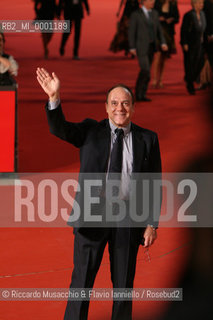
[{"x": 50, "y": 84}]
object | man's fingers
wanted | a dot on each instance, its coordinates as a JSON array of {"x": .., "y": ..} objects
[
  {"x": 45, "y": 72},
  {"x": 39, "y": 81},
  {"x": 40, "y": 78},
  {"x": 55, "y": 76},
  {"x": 42, "y": 73},
  {"x": 149, "y": 240},
  {"x": 146, "y": 242}
]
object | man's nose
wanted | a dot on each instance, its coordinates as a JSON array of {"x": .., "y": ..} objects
[{"x": 120, "y": 106}]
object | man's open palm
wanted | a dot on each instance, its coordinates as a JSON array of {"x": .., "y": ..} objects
[{"x": 50, "y": 84}]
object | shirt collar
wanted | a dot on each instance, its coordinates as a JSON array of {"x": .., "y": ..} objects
[
  {"x": 145, "y": 11},
  {"x": 126, "y": 129}
]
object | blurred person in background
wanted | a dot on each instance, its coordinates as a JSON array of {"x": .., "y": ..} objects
[
  {"x": 120, "y": 41},
  {"x": 8, "y": 65},
  {"x": 208, "y": 10},
  {"x": 192, "y": 40},
  {"x": 73, "y": 11},
  {"x": 45, "y": 10},
  {"x": 168, "y": 16},
  {"x": 144, "y": 33},
  {"x": 205, "y": 75}
]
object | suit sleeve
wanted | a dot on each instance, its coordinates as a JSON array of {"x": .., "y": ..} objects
[
  {"x": 156, "y": 197},
  {"x": 185, "y": 30},
  {"x": 74, "y": 133},
  {"x": 132, "y": 31}
]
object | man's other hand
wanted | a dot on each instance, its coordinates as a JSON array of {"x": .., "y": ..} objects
[{"x": 150, "y": 235}]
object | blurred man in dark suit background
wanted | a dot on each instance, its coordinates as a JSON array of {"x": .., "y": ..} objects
[
  {"x": 73, "y": 11},
  {"x": 144, "y": 31}
]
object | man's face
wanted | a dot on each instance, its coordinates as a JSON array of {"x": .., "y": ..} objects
[
  {"x": 149, "y": 4},
  {"x": 119, "y": 107}
]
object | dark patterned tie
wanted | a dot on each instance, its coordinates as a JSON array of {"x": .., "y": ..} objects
[
  {"x": 114, "y": 175},
  {"x": 151, "y": 27},
  {"x": 117, "y": 153}
]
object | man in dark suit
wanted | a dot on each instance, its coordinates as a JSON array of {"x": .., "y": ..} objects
[
  {"x": 192, "y": 40},
  {"x": 144, "y": 32},
  {"x": 99, "y": 143},
  {"x": 73, "y": 11}
]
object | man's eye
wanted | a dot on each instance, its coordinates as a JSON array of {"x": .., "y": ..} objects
[{"x": 114, "y": 103}]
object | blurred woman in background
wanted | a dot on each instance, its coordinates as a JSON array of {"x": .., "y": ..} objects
[
  {"x": 120, "y": 41},
  {"x": 168, "y": 16},
  {"x": 45, "y": 10}
]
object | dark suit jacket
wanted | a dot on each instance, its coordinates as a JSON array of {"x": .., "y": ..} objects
[
  {"x": 47, "y": 9},
  {"x": 94, "y": 140},
  {"x": 72, "y": 11},
  {"x": 139, "y": 31}
]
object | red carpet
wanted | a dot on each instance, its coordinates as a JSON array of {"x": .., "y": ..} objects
[{"x": 32, "y": 258}]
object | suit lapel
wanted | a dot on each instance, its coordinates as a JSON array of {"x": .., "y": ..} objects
[
  {"x": 138, "y": 148},
  {"x": 145, "y": 18}
]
